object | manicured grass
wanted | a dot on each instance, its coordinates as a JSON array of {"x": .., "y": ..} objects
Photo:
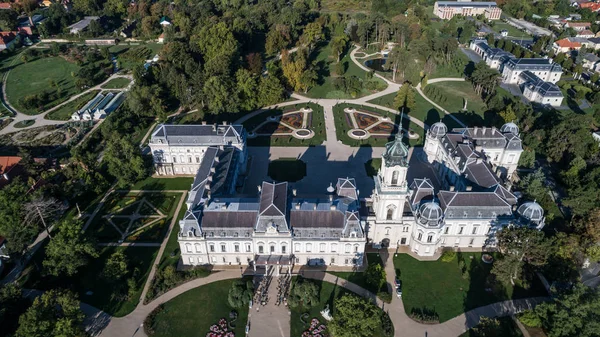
[
  {"x": 507, "y": 328},
  {"x": 359, "y": 278},
  {"x": 316, "y": 123},
  {"x": 512, "y": 31},
  {"x": 287, "y": 169},
  {"x": 342, "y": 126},
  {"x": 455, "y": 68},
  {"x": 193, "y": 312},
  {"x": 88, "y": 279},
  {"x": 440, "y": 287},
  {"x": 326, "y": 62},
  {"x": 171, "y": 254},
  {"x": 64, "y": 112},
  {"x": 117, "y": 83},
  {"x": 151, "y": 183},
  {"x": 372, "y": 166},
  {"x": 25, "y": 123},
  {"x": 33, "y": 78},
  {"x": 451, "y": 96},
  {"x": 327, "y": 294}
]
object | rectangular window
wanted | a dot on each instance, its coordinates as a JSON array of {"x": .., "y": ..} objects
[
  {"x": 174, "y": 159},
  {"x": 471, "y": 242},
  {"x": 308, "y": 247},
  {"x": 356, "y": 249},
  {"x": 197, "y": 160},
  {"x": 333, "y": 248},
  {"x": 199, "y": 260},
  {"x": 190, "y": 159},
  {"x": 297, "y": 247},
  {"x": 297, "y": 260},
  {"x": 260, "y": 250},
  {"x": 272, "y": 249},
  {"x": 474, "y": 231},
  {"x": 460, "y": 230},
  {"x": 237, "y": 248},
  {"x": 213, "y": 259},
  {"x": 446, "y": 230},
  {"x": 181, "y": 159},
  {"x": 191, "y": 260},
  {"x": 237, "y": 259},
  {"x": 247, "y": 248},
  {"x": 224, "y": 260},
  {"x": 420, "y": 236},
  {"x": 322, "y": 247},
  {"x": 222, "y": 248},
  {"x": 429, "y": 238},
  {"x": 212, "y": 248},
  {"x": 333, "y": 260},
  {"x": 347, "y": 249},
  {"x": 283, "y": 249},
  {"x": 346, "y": 261}
]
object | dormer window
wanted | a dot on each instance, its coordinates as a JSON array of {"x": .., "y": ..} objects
[
  {"x": 211, "y": 234},
  {"x": 223, "y": 233},
  {"x": 465, "y": 214},
  {"x": 235, "y": 235},
  {"x": 479, "y": 215},
  {"x": 247, "y": 234}
]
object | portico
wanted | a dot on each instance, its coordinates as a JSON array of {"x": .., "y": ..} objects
[{"x": 283, "y": 264}]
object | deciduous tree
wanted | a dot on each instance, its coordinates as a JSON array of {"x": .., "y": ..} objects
[
  {"x": 68, "y": 250},
  {"x": 304, "y": 293},
  {"x": 354, "y": 317},
  {"x": 54, "y": 313}
]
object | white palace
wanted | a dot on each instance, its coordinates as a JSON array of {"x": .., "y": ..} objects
[{"x": 464, "y": 207}]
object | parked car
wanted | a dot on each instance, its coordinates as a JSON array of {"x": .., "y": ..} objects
[
  {"x": 397, "y": 282},
  {"x": 399, "y": 292}
]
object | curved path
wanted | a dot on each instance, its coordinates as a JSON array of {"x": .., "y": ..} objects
[
  {"x": 40, "y": 119},
  {"x": 404, "y": 326},
  {"x": 418, "y": 89}
]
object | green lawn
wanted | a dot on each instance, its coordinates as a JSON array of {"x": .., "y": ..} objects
[
  {"x": 193, "y": 312},
  {"x": 512, "y": 31},
  {"x": 117, "y": 83},
  {"x": 151, "y": 183},
  {"x": 455, "y": 68},
  {"x": 25, "y": 123},
  {"x": 451, "y": 96},
  {"x": 326, "y": 63},
  {"x": 359, "y": 278},
  {"x": 316, "y": 123},
  {"x": 95, "y": 290},
  {"x": 439, "y": 286},
  {"x": 342, "y": 126},
  {"x": 327, "y": 294},
  {"x": 287, "y": 169},
  {"x": 64, "y": 112},
  {"x": 507, "y": 328},
  {"x": 34, "y": 77}
]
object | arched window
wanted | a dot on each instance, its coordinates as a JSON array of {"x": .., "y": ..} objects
[
  {"x": 188, "y": 247},
  {"x": 347, "y": 248},
  {"x": 333, "y": 247},
  {"x": 356, "y": 248},
  {"x": 297, "y": 247},
  {"x": 198, "y": 248},
  {"x": 395, "y": 178},
  {"x": 387, "y": 230},
  {"x": 309, "y": 247},
  {"x": 390, "y": 214}
]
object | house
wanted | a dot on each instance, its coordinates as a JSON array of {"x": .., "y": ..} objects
[
  {"x": 164, "y": 21},
  {"x": 81, "y": 25},
  {"x": 46, "y": 3},
  {"x": 596, "y": 136},
  {"x": 5, "y": 5},
  {"x": 586, "y": 33},
  {"x": 98, "y": 112},
  {"x": 161, "y": 38},
  {"x": 493, "y": 57},
  {"x": 593, "y": 43},
  {"x": 577, "y": 26},
  {"x": 538, "y": 91},
  {"x": 448, "y": 9},
  {"x": 591, "y": 61},
  {"x": 592, "y": 6},
  {"x": 545, "y": 69},
  {"x": 565, "y": 45},
  {"x": 6, "y": 39},
  {"x": 9, "y": 169}
]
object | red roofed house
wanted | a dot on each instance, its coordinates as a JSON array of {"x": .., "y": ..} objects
[
  {"x": 9, "y": 168},
  {"x": 586, "y": 33},
  {"x": 6, "y": 39},
  {"x": 578, "y": 26},
  {"x": 593, "y": 6},
  {"x": 5, "y": 5},
  {"x": 565, "y": 45}
]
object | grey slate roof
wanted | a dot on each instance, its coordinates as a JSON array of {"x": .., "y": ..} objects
[
  {"x": 471, "y": 205},
  {"x": 533, "y": 64},
  {"x": 198, "y": 134},
  {"x": 467, "y": 3},
  {"x": 273, "y": 199}
]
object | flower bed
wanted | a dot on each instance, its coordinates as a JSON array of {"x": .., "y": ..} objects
[
  {"x": 294, "y": 120},
  {"x": 316, "y": 329},
  {"x": 364, "y": 120},
  {"x": 385, "y": 128},
  {"x": 220, "y": 330}
]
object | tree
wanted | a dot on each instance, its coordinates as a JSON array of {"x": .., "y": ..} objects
[
  {"x": 68, "y": 250},
  {"x": 527, "y": 158},
  {"x": 484, "y": 79},
  {"x": 488, "y": 327},
  {"x": 308, "y": 79},
  {"x": 277, "y": 39},
  {"x": 29, "y": 6},
  {"x": 521, "y": 246},
  {"x": 254, "y": 62},
  {"x": 12, "y": 198},
  {"x": 571, "y": 313},
  {"x": 313, "y": 33},
  {"x": 8, "y": 20},
  {"x": 375, "y": 275},
  {"x": 304, "y": 293},
  {"x": 12, "y": 304},
  {"x": 54, "y": 313},
  {"x": 508, "y": 114},
  {"x": 219, "y": 48},
  {"x": 595, "y": 77},
  {"x": 354, "y": 317},
  {"x": 240, "y": 293},
  {"x": 270, "y": 91},
  {"x": 217, "y": 91},
  {"x": 338, "y": 45},
  {"x": 247, "y": 89},
  {"x": 405, "y": 98},
  {"x": 116, "y": 267},
  {"x": 120, "y": 151},
  {"x": 40, "y": 210}
]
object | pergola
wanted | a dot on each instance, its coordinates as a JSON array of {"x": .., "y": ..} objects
[{"x": 278, "y": 261}]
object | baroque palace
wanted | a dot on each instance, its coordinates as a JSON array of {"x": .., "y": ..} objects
[{"x": 467, "y": 202}]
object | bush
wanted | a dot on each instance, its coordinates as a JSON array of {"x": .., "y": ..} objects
[
  {"x": 530, "y": 318},
  {"x": 385, "y": 296},
  {"x": 168, "y": 278},
  {"x": 448, "y": 256},
  {"x": 386, "y": 325},
  {"x": 150, "y": 320},
  {"x": 424, "y": 315}
]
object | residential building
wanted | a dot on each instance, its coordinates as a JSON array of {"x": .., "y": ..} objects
[
  {"x": 161, "y": 38},
  {"x": 596, "y": 136},
  {"x": 471, "y": 205},
  {"x": 591, "y": 61},
  {"x": 6, "y": 39},
  {"x": 593, "y": 43},
  {"x": 81, "y": 25},
  {"x": 9, "y": 169},
  {"x": 545, "y": 69},
  {"x": 538, "y": 91},
  {"x": 586, "y": 33},
  {"x": 493, "y": 57},
  {"x": 565, "y": 45},
  {"x": 180, "y": 149},
  {"x": 577, "y": 26},
  {"x": 592, "y": 6},
  {"x": 5, "y": 5},
  {"x": 164, "y": 21},
  {"x": 448, "y": 9}
]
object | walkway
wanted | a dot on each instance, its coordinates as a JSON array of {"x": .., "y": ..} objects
[
  {"x": 40, "y": 119},
  {"x": 418, "y": 89}
]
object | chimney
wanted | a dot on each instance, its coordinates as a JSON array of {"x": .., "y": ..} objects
[
  {"x": 493, "y": 129},
  {"x": 224, "y": 207},
  {"x": 212, "y": 169},
  {"x": 475, "y": 130},
  {"x": 479, "y": 161},
  {"x": 483, "y": 128},
  {"x": 224, "y": 122},
  {"x": 298, "y": 205},
  {"x": 330, "y": 198},
  {"x": 451, "y": 188},
  {"x": 216, "y": 159},
  {"x": 259, "y": 188},
  {"x": 469, "y": 188},
  {"x": 294, "y": 192},
  {"x": 315, "y": 206},
  {"x": 332, "y": 207},
  {"x": 203, "y": 122},
  {"x": 478, "y": 148},
  {"x": 214, "y": 127}
]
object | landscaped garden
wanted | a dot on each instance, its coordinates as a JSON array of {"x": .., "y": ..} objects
[
  {"x": 329, "y": 82},
  {"x": 452, "y": 95},
  {"x": 443, "y": 290},
  {"x": 372, "y": 279},
  {"x": 297, "y": 125},
  {"x": 161, "y": 184},
  {"x": 287, "y": 169},
  {"x": 35, "y": 77},
  {"x": 134, "y": 217},
  {"x": 64, "y": 112},
  {"x": 358, "y": 125},
  {"x": 194, "y": 312}
]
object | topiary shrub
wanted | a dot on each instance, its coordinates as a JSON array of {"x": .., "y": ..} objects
[
  {"x": 448, "y": 256},
  {"x": 385, "y": 296}
]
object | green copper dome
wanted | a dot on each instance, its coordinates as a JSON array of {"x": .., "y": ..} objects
[{"x": 396, "y": 152}]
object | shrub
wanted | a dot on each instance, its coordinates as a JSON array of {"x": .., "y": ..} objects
[
  {"x": 530, "y": 318},
  {"x": 385, "y": 296},
  {"x": 150, "y": 320},
  {"x": 386, "y": 325},
  {"x": 448, "y": 256},
  {"x": 424, "y": 315}
]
